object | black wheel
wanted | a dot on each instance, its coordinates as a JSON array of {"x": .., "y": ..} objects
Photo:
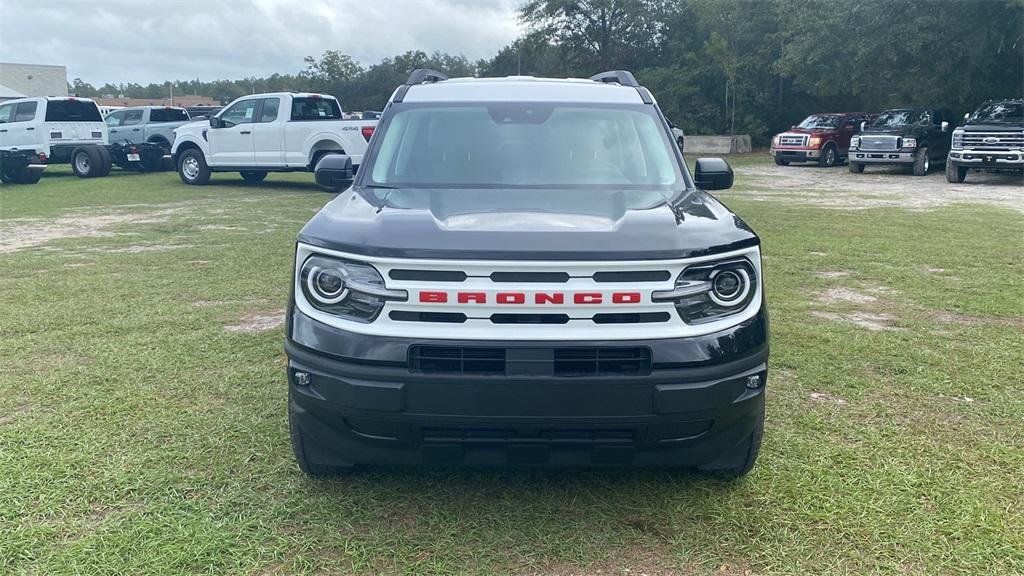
[
  {"x": 150, "y": 163},
  {"x": 108, "y": 161},
  {"x": 27, "y": 176},
  {"x": 9, "y": 175},
  {"x": 89, "y": 162},
  {"x": 781, "y": 162},
  {"x": 745, "y": 455},
  {"x": 955, "y": 174},
  {"x": 253, "y": 175},
  {"x": 303, "y": 448},
  {"x": 922, "y": 163},
  {"x": 829, "y": 156},
  {"x": 192, "y": 167},
  {"x": 856, "y": 167}
]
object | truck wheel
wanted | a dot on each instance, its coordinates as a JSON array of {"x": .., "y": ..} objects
[
  {"x": 253, "y": 175},
  {"x": 150, "y": 163},
  {"x": 26, "y": 176},
  {"x": 781, "y": 162},
  {"x": 108, "y": 161},
  {"x": 745, "y": 454},
  {"x": 9, "y": 175},
  {"x": 301, "y": 445},
  {"x": 955, "y": 174},
  {"x": 192, "y": 167},
  {"x": 922, "y": 163},
  {"x": 856, "y": 167},
  {"x": 829, "y": 156},
  {"x": 87, "y": 162}
]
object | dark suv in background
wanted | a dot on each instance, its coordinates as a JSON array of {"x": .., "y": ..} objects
[
  {"x": 821, "y": 138},
  {"x": 914, "y": 136},
  {"x": 992, "y": 138}
]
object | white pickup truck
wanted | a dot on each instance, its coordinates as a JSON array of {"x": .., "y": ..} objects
[{"x": 262, "y": 133}]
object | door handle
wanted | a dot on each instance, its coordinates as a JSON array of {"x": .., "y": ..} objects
[
  {"x": 29, "y": 128},
  {"x": 3, "y": 129},
  {"x": 245, "y": 132}
]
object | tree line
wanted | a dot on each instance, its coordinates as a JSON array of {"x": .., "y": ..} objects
[{"x": 737, "y": 66}]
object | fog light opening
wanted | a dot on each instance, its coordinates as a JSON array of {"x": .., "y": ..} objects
[
  {"x": 302, "y": 379},
  {"x": 754, "y": 382}
]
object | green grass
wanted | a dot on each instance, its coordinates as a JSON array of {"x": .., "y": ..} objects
[{"x": 138, "y": 436}]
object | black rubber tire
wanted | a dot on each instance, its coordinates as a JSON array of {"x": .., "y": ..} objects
[
  {"x": 88, "y": 161},
  {"x": 253, "y": 175},
  {"x": 829, "y": 156},
  {"x": 108, "y": 162},
  {"x": 922, "y": 164},
  {"x": 26, "y": 176},
  {"x": 301, "y": 448},
  {"x": 202, "y": 174},
  {"x": 955, "y": 174},
  {"x": 749, "y": 451},
  {"x": 781, "y": 162},
  {"x": 9, "y": 175},
  {"x": 856, "y": 167}
]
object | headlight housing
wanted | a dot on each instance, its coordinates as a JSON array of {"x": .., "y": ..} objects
[
  {"x": 814, "y": 141},
  {"x": 958, "y": 139},
  {"x": 712, "y": 291},
  {"x": 910, "y": 142},
  {"x": 854, "y": 142},
  {"x": 349, "y": 290},
  {"x": 776, "y": 139}
]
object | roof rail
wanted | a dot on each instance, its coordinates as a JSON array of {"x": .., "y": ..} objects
[
  {"x": 623, "y": 77},
  {"x": 421, "y": 75}
]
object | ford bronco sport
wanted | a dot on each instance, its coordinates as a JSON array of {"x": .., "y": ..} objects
[{"x": 523, "y": 272}]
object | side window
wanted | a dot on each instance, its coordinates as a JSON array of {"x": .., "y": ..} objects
[
  {"x": 131, "y": 117},
  {"x": 25, "y": 112},
  {"x": 6, "y": 111},
  {"x": 114, "y": 119},
  {"x": 270, "y": 108},
  {"x": 241, "y": 113}
]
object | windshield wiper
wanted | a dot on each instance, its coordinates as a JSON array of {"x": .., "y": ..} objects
[{"x": 384, "y": 199}]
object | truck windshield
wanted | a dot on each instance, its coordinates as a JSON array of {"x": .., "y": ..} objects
[
  {"x": 820, "y": 121},
  {"x": 1000, "y": 113},
  {"x": 72, "y": 111},
  {"x": 526, "y": 145},
  {"x": 168, "y": 115},
  {"x": 893, "y": 118}
]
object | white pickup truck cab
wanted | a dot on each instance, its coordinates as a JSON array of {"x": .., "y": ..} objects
[
  {"x": 52, "y": 127},
  {"x": 262, "y": 133}
]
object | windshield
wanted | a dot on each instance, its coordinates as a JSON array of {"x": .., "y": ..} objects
[
  {"x": 168, "y": 115},
  {"x": 1000, "y": 113},
  {"x": 820, "y": 121},
  {"x": 525, "y": 145},
  {"x": 893, "y": 118}
]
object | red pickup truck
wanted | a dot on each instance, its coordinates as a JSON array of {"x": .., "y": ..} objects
[{"x": 822, "y": 138}]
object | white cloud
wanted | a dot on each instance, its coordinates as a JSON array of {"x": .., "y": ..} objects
[{"x": 149, "y": 41}]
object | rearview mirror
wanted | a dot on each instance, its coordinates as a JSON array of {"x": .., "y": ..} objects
[
  {"x": 334, "y": 172},
  {"x": 713, "y": 174},
  {"x": 216, "y": 122}
]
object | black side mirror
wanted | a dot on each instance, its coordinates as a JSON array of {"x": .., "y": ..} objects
[
  {"x": 216, "y": 122},
  {"x": 334, "y": 172},
  {"x": 713, "y": 174}
]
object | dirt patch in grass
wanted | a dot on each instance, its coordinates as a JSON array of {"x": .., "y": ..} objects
[
  {"x": 841, "y": 294},
  {"x": 874, "y": 321},
  {"x": 830, "y": 274},
  {"x": 139, "y": 248},
  {"x": 631, "y": 561},
  {"x": 254, "y": 322},
  {"x": 879, "y": 187},
  {"x": 826, "y": 398},
  {"x": 966, "y": 320},
  {"x": 24, "y": 233}
]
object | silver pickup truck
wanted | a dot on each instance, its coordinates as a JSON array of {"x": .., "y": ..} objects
[{"x": 153, "y": 124}]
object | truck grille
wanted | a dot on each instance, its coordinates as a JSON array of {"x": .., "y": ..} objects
[
  {"x": 559, "y": 362},
  {"x": 880, "y": 143},
  {"x": 793, "y": 140},
  {"x": 995, "y": 141}
]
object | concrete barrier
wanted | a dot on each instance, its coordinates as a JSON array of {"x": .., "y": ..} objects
[{"x": 717, "y": 144}]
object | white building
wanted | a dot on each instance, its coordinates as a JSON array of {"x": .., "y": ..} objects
[{"x": 32, "y": 80}]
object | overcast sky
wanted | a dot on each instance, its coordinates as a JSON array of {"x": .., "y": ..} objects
[{"x": 147, "y": 41}]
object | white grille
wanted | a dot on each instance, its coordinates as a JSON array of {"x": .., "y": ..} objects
[{"x": 625, "y": 310}]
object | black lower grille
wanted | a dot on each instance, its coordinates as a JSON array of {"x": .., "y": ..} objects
[
  {"x": 541, "y": 436},
  {"x": 557, "y": 362}
]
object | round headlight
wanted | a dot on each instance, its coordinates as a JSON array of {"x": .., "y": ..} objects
[
  {"x": 327, "y": 284},
  {"x": 729, "y": 286}
]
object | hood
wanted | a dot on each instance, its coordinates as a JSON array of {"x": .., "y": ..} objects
[
  {"x": 811, "y": 131},
  {"x": 526, "y": 225},
  {"x": 191, "y": 125}
]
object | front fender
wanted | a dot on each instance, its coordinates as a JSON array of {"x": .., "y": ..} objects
[{"x": 180, "y": 140}]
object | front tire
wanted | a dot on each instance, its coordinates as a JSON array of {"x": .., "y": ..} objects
[
  {"x": 303, "y": 447},
  {"x": 781, "y": 162},
  {"x": 253, "y": 175},
  {"x": 192, "y": 167},
  {"x": 856, "y": 167},
  {"x": 745, "y": 455},
  {"x": 922, "y": 163},
  {"x": 955, "y": 174},
  {"x": 829, "y": 156}
]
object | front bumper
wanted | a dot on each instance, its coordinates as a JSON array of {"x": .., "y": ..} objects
[
  {"x": 875, "y": 157},
  {"x": 362, "y": 403},
  {"x": 987, "y": 160},
  {"x": 796, "y": 154}
]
